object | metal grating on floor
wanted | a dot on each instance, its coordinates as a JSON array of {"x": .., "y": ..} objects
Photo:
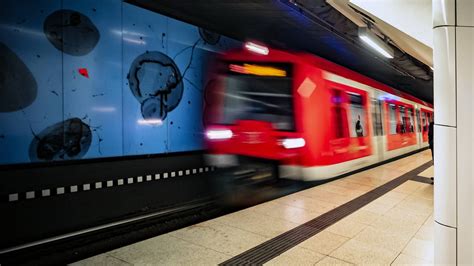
[{"x": 276, "y": 246}]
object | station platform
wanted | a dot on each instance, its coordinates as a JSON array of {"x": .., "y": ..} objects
[{"x": 380, "y": 216}]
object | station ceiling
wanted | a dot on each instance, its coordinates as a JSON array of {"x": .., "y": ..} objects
[{"x": 283, "y": 25}]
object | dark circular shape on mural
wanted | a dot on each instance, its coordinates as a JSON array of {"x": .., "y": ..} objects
[
  {"x": 71, "y": 32},
  {"x": 155, "y": 75},
  {"x": 209, "y": 37},
  {"x": 152, "y": 109},
  {"x": 69, "y": 139},
  {"x": 18, "y": 88}
]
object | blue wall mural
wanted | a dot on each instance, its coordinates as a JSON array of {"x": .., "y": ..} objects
[{"x": 94, "y": 79}]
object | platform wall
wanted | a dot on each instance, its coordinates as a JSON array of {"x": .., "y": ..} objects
[{"x": 98, "y": 79}]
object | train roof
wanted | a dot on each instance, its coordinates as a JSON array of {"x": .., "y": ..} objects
[{"x": 276, "y": 55}]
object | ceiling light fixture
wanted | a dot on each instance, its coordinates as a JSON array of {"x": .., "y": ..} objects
[{"x": 375, "y": 42}]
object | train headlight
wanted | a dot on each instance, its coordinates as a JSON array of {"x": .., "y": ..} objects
[
  {"x": 216, "y": 134},
  {"x": 293, "y": 143}
]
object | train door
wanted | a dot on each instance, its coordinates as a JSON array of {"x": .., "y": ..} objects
[
  {"x": 424, "y": 125},
  {"x": 426, "y": 117},
  {"x": 339, "y": 138},
  {"x": 400, "y": 125},
  {"x": 351, "y": 132},
  {"x": 377, "y": 124}
]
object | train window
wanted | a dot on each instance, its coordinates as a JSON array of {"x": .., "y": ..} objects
[
  {"x": 377, "y": 117},
  {"x": 406, "y": 124},
  {"x": 426, "y": 124},
  {"x": 418, "y": 120},
  {"x": 411, "y": 121},
  {"x": 401, "y": 126},
  {"x": 358, "y": 123},
  {"x": 392, "y": 118},
  {"x": 266, "y": 98},
  {"x": 423, "y": 121},
  {"x": 339, "y": 115}
]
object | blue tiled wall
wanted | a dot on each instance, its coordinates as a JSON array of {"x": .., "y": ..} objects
[{"x": 94, "y": 79}]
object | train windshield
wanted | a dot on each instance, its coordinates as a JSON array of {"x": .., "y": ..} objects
[{"x": 260, "y": 92}]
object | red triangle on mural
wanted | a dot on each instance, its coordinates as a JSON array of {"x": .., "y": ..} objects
[{"x": 84, "y": 72}]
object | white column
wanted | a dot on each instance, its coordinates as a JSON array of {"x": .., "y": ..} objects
[
  {"x": 453, "y": 34},
  {"x": 465, "y": 116}
]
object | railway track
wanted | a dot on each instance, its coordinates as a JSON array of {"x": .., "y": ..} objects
[{"x": 78, "y": 245}]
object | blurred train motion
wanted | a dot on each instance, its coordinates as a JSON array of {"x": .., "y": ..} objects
[{"x": 304, "y": 117}]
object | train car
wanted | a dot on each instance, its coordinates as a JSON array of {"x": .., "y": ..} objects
[{"x": 311, "y": 118}]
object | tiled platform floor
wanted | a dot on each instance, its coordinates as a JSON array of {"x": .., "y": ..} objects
[{"x": 396, "y": 228}]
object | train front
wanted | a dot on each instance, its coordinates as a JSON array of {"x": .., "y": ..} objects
[{"x": 251, "y": 109}]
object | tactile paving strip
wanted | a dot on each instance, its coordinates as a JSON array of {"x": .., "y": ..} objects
[{"x": 276, "y": 246}]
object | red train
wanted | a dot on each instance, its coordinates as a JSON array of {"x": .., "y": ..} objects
[{"x": 312, "y": 118}]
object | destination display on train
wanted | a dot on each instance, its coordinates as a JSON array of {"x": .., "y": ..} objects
[{"x": 260, "y": 69}]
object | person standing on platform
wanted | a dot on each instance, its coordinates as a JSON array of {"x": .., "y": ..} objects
[
  {"x": 430, "y": 138},
  {"x": 430, "y": 141}
]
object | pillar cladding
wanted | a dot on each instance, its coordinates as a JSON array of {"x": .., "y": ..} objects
[{"x": 453, "y": 31}]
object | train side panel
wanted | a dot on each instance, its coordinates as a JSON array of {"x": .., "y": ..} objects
[
  {"x": 333, "y": 148},
  {"x": 345, "y": 121}
]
